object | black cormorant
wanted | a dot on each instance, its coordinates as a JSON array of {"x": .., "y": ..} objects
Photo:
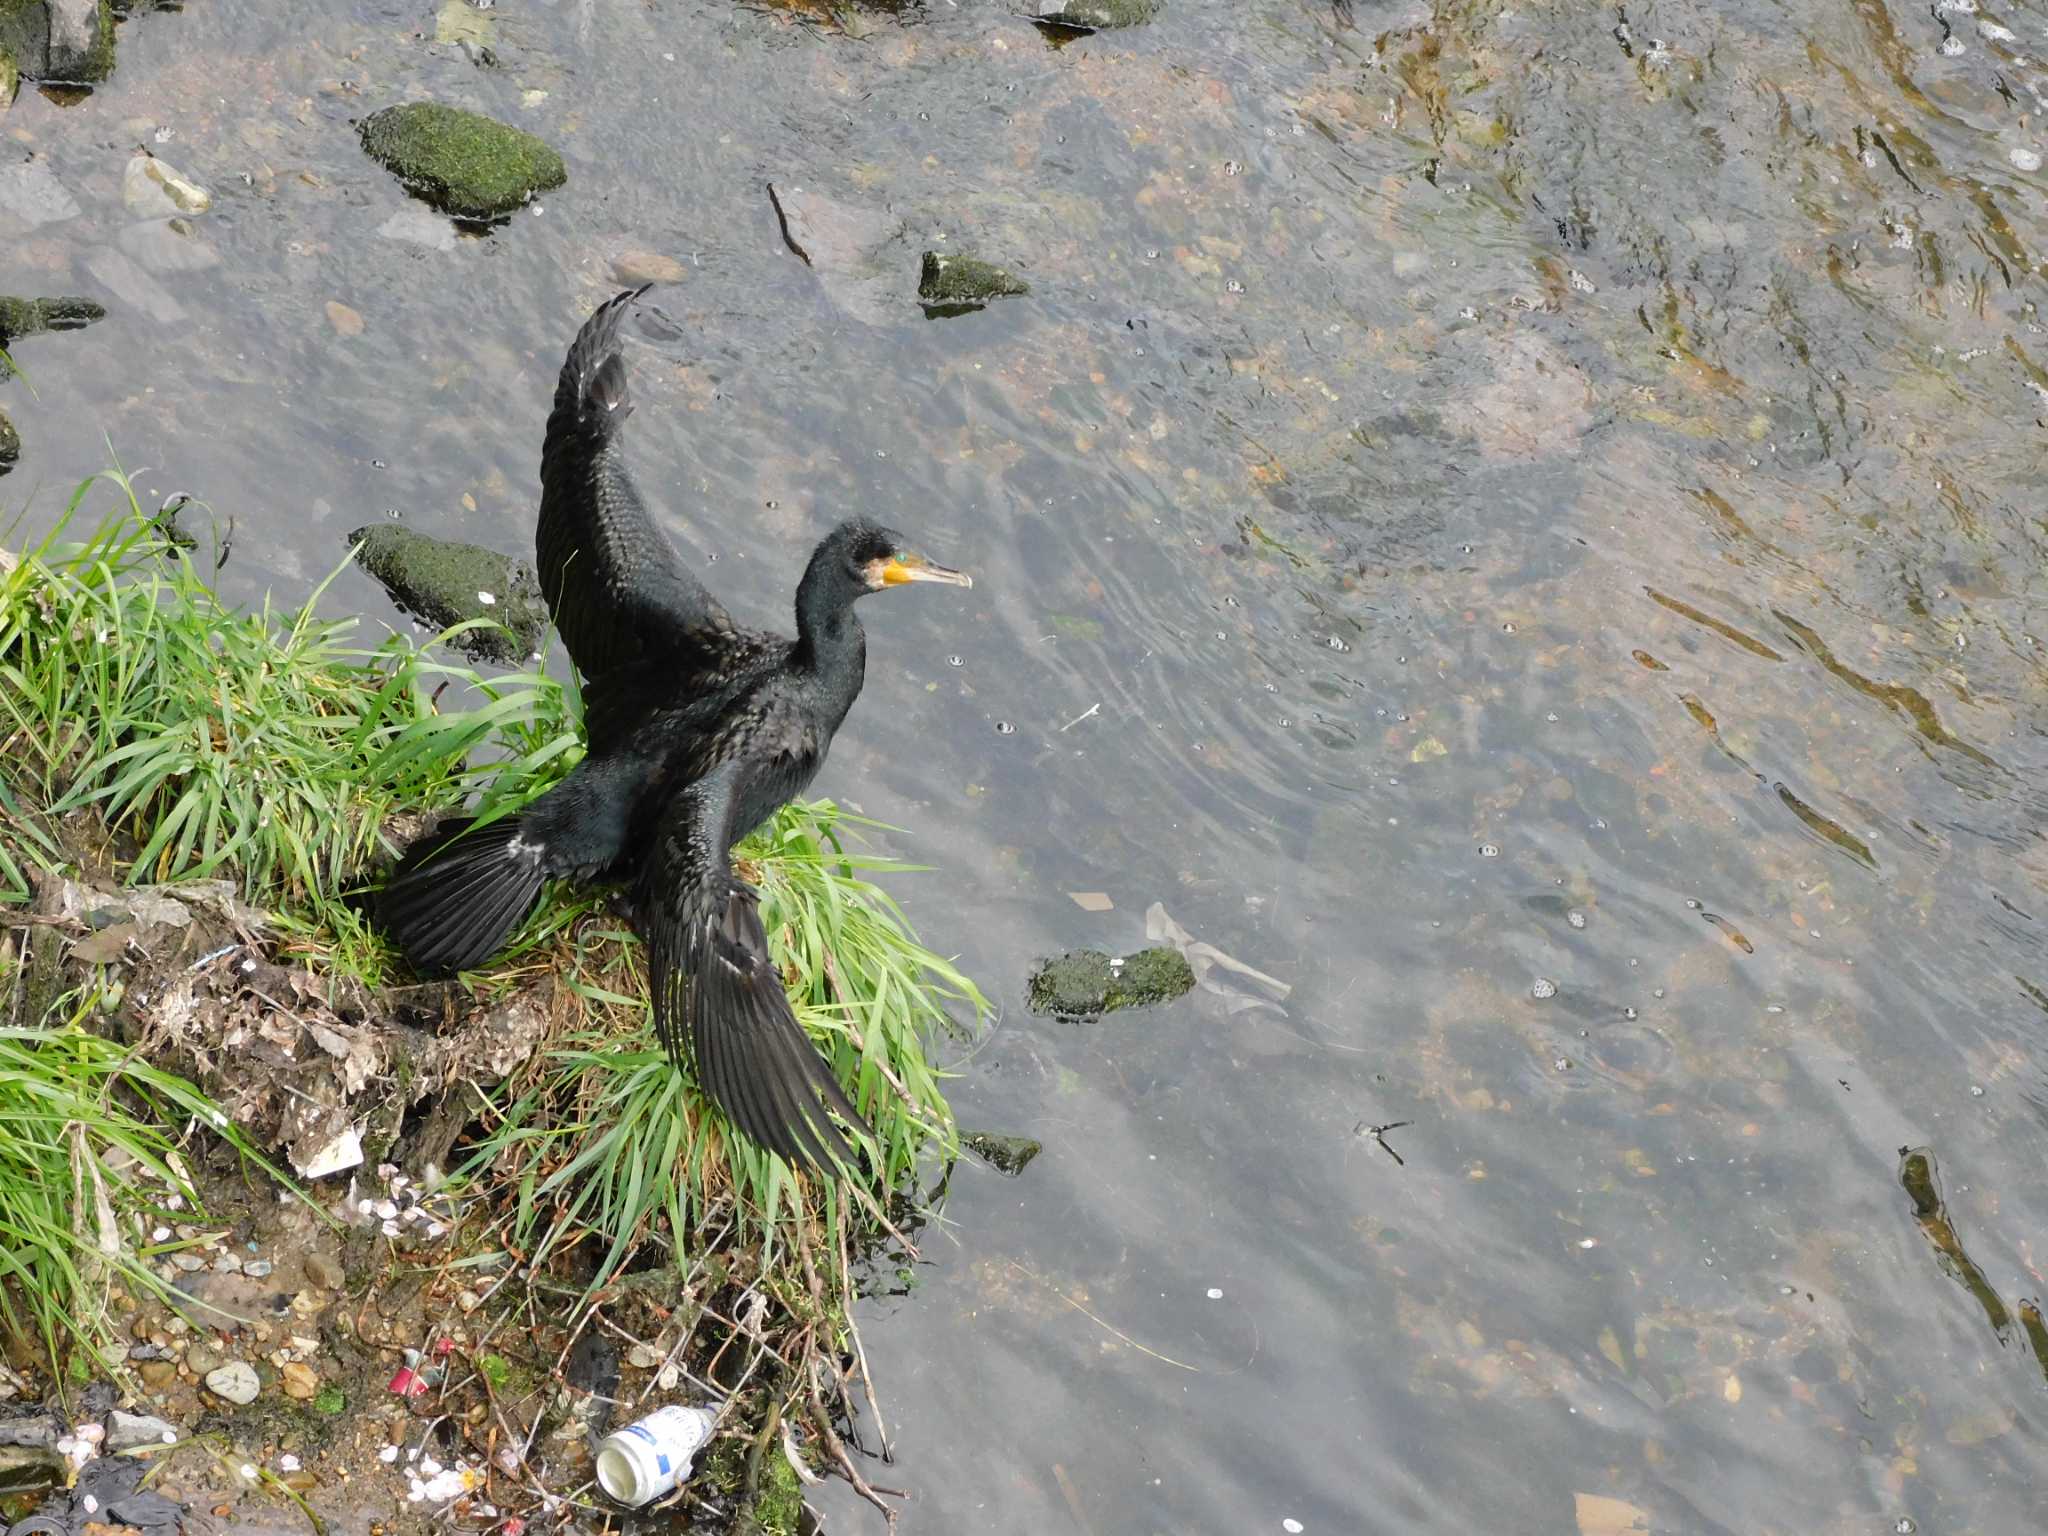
[{"x": 697, "y": 731}]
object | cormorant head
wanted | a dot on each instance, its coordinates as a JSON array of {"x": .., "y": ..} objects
[{"x": 879, "y": 558}]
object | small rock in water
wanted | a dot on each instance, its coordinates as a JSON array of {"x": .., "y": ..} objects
[
  {"x": 642, "y": 1358},
  {"x": 633, "y": 268},
  {"x": 2024, "y": 159},
  {"x": 1543, "y": 988},
  {"x": 1009, "y": 1155},
  {"x": 32, "y": 196},
  {"x": 1093, "y": 15},
  {"x": 1088, "y": 983},
  {"x": 437, "y": 582},
  {"x": 954, "y": 285},
  {"x": 459, "y": 161},
  {"x": 346, "y": 321},
  {"x": 235, "y": 1382},
  {"x": 415, "y": 225},
  {"x": 152, "y": 189}
]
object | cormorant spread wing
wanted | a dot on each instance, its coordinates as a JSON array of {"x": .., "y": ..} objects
[
  {"x": 715, "y": 982},
  {"x": 620, "y": 597}
]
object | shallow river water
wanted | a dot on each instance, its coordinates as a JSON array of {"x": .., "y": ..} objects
[{"x": 1523, "y": 522}]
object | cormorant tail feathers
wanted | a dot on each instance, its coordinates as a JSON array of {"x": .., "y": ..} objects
[{"x": 459, "y": 892}]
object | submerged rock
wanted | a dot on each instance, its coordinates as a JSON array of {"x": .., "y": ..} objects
[
  {"x": 1094, "y": 15},
  {"x": 31, "y": 317},
  {"x": 66, "y": 42},
  {"x": 1009, "y": 1155},
  {"x": 462, "y": 162},
  {"x": 1087, "y": 983},
  {"x": 10, "y": 444},
  {"x": 10, "y": 80},
  {"x": 849, "y": 247},
  {"x": 441, "y": 582},
  {"x": 954, "y": 285}
]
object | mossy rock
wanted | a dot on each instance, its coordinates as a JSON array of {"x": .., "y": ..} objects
[
  {"x": 1087, "y": 983},
  {"x": 10, "y": 444},
  {"x": 1008, "y": 1155},
  {"x": 957, "y": 284},
  {"x": 10, "y": 79},
  {"x": 462, "y": 162},
  {"x": 36, "y": 51},
  {"x": 31, "y": 317},
  {"x": 1095, "y": 15},
  {"x": 441, "y": 582}
]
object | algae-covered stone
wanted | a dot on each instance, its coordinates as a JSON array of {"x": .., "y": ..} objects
[
  {"x": 462, "y": 162},
  {"x": 1087, "y": 983},
  {"x": 956, "y": 284},
  {"x": 1095, "y": 15},
  {"x": 1009, "y": 1155},
  {"x": 31, "y": 317},
  {"x": 10, "y": 444},
  {"x": 67, "y": 42},
  {"x": 10, "y": 79},
  {"x": 442, "y": 583}
]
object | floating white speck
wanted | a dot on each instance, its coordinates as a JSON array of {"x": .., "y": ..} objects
[
  {"x": 1589, "y": 1242},
  {"x": 1215, "y": 1293},
  {"x": 1290, "y": 1525},
  {"x": 487, "y": 599}
]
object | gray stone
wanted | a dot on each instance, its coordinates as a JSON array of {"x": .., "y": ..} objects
[
  {"x": 234, "y": 1382},
  {"x": 414, "y": 225},
  {"x": 134, "y": 287},
  {"x": 125, "y": 1431},
  {"x": 853, "y": 250},
  {"x": 32, "y": 196},
  {"x": 168, "y": 245}
]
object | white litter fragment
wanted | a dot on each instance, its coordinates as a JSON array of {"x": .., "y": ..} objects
[
  {"x": 343, "y": 1152},
  {"x": 1290, "y": 1525},
  {"x": 1206, "y": 960},
  {"x": 1215, "y": 1293},
  {"x": 489, "y": 600},
  {"x": 388, "y": 1455}
]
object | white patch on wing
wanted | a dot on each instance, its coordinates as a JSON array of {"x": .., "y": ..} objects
[{"x": 522, "y": 848}]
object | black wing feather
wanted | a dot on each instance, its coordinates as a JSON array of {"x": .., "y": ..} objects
[
  {"x": 716, "y": 985},
  {"x": 612, "y": 580}
]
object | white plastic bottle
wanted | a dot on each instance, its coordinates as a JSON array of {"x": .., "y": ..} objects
[{"x": 651, "y": 1456}]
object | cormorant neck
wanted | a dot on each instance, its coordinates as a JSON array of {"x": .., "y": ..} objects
[{"x": 828, "y": 632}]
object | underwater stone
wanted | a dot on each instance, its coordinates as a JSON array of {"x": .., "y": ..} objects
[
  {"x": 462, "y": 162},
  {"x": 10, "y": 444},
  {"x": 10, "y": 79},
  {"x": 442, "y": 583},
  {"x": 962, "y": 283},
  {"x": 1095, "y": 15},
  {"x": 1086, "y": 982},
  {"x": 1009, "y": 1155}
]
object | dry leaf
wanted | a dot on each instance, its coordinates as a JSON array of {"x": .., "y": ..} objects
[
  {"x": 1091, "y": 901},
  {"x": 346, "y": 322}
]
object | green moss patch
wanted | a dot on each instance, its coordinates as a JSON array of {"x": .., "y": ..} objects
[
  {"x": 1088, "y": 983},
  {"x": 462, "y": 162}
]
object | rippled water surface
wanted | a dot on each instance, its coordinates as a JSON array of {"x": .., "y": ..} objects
[{"x": 1523, "y": 522}]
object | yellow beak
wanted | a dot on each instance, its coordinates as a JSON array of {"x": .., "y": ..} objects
[{"x": 907, "y": 567}]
